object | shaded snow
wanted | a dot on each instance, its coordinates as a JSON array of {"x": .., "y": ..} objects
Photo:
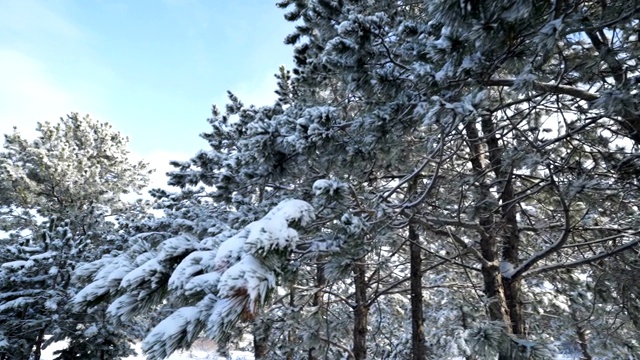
[
  {"x": 168, "y": 334},
  {"x": 141, "y": 274},
  {"x": 230, "y": 250},
  {"x": 250, "y": 275},
  {"x": 177, "y": 246},
  {"x": 202, "y": 282}
]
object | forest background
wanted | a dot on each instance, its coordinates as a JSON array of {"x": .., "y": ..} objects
[{"x": 464, "y": 171}]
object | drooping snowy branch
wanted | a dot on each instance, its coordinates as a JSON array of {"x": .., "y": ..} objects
[{"x": 232, "y": 281}]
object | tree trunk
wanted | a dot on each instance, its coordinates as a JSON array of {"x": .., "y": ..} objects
[
  {"x": 582, "y": 340},
  {"x": 260, "y": 339},
  {"x": 513, "y": 291},
  {"x": 581, "y": 333},
  {"x": 360, "y": 314},
  {"x": 291, "y": 337},
  {"x": 510, "y": 253},
  {"x": 513, "y": 287},
  {"x": 511, "y": 238},
  {"x": 494, "y": 288},
  {"x": 418, "y": 350},
  {"x": 317, "y": 302},
  {"x": 488, "y": 242},
  {"x": 37, "y": 352}
]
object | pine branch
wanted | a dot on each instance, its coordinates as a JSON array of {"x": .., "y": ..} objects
[
  {"x": 548, "y": 87},
  {"x": 585, "y": 261},
  {"x": 556, "y": 246}
]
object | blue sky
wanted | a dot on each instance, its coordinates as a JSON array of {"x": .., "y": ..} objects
[{"x": 151, "y": 68}]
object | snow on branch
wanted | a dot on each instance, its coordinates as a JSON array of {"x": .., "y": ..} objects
[
  {"x": 274, "y": 232},
  {"x": 191, "y": 267},
  {"x": 233, "y": 280},
  {"x": 178, "y": 331}
]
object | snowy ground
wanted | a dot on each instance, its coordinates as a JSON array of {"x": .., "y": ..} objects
[
  {"x": 200, "y": 354},
  {"x": 196, "y": 354}
]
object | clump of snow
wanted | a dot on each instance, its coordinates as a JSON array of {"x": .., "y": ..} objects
[
  {"x": 20, "y": 302},
  {"x": 506, "y": 268},
  {"x": 230, "y": 250},
  {"x": 176, "y": 331},
  {"x": 177, "y": 246},
  {"x": 189, "y": 267},
  {"x": 106, "y": 280},
  {"x": 91, "y": 331},
  {"x": 206, "y": 282},
  {"x": 15, "y": 265},
  {"x": 247, "y": 275},
  {"x": 273, "y": 231},
  {"x": 123, "y": 308},
  {"x": 224, "y": 312},
  {"x": 328, "y": 187},
  {"x": 141, "y": 274},
  {"x": 51, "y": 304}
]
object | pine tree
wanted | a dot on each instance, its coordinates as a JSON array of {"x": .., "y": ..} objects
[
  {"x": 470, "y": 163},
  {"x": 61, "y": 187},
  {"x": 489, "y": 77}
]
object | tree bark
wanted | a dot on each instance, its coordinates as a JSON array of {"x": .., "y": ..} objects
[
  {"x": 360, "y": 314},
  {"x": 509, "y": 223},
  {"x": 317, "y": 301},
  {"x": 510, "y": 253},
  {"x": 291, "y": 337},
  {"x": 581, "y": 333},
  {"x": 582, "y": 340},
  {"x": 418, "y": 350},
  {"x": 493, "y": 286},
  {"x": 37, "y": 352},
  {"x": 260, "y": 340}
]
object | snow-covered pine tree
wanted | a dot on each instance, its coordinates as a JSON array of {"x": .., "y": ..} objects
[
  {"x": 377, "y": 152},
  {"x": 241, "y": 173},
  {"x": 534, "y": 102},
  {"x": 490, "y": 146},
  {"x": 254, "y": 161},
  {"x": 61, "y": 186}
]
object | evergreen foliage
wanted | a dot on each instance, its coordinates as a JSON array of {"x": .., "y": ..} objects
[
  {"x": 472, "y": 164},
  {"x": 60, "y": 189}
]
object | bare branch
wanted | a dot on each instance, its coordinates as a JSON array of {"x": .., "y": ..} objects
[
  {"x": 585, "y": 261},
  {"x": 557, "y": 245},
  {"x": 549, "y": 87}
]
